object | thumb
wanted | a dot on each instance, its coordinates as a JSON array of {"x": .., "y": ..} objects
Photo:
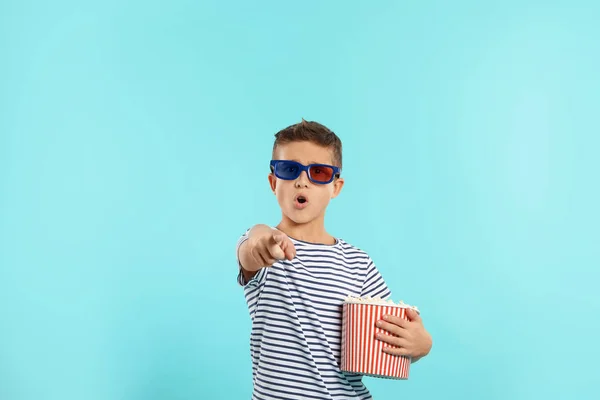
[{"x": 413, "y": 316}]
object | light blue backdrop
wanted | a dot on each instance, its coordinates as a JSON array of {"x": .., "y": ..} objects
[{"x": 134, "y": 144}]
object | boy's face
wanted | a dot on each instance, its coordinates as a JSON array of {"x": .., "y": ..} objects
[{"x": 317, "y": 196}]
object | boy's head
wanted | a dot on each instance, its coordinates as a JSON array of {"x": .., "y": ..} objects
[
  {"x": 313, "y": 132},
  {"x": 304, "y": 193}
]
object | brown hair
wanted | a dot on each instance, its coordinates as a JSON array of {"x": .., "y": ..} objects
[{"x": 314, "y": 132}]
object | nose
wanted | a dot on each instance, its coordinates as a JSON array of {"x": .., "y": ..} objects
[{"x": 302, "y": 180}]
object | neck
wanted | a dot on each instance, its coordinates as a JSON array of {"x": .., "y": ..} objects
[{"x": 313, "y": 231}]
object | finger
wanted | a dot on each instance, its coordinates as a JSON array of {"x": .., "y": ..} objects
[
  {"x": 267, "y": 256},
  {"x": 275, "y": 251},
  {"x": 289, "y": 249},
  {"x": 401, "y": 322},
  {"x": 269, "y": 261},
  {"x": 391, "y": 328},
  {"x": 393, "y": 340},
  {"x": 260, "y": 259},
  {"x": 400, "y": 351},
  {"x": 285, "y": 244},
  {"x": 413, "y": 315},
  {"x": 278, "y": 237}
]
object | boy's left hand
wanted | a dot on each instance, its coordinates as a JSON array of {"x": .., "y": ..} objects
[{"x": 410, "y": 336}]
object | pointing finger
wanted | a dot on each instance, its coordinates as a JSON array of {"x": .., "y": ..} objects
[
  {"x": 285, "y": 244},
  {"x": 275, "y": 251}
]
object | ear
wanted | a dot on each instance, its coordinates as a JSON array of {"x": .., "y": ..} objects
[
  {"x": 338, "y": 184},
  {"x": 272, "y": 182}
]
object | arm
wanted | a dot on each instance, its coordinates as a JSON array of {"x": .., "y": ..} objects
[{"x": 410, "y": 336}]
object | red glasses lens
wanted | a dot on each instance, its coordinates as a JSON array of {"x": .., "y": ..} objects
[{"x": 321, "y": 173}]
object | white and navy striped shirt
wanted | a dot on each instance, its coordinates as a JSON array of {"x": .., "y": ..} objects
[{"x": 295, "y": 307}]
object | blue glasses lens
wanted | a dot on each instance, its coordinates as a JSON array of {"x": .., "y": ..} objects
[{"x": 287, "y": 170}]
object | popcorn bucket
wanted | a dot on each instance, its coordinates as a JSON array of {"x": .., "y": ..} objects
[{"x": 361, "y": 352}]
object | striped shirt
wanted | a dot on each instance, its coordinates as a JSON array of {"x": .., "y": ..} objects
[{"x": 295, "y": 307}]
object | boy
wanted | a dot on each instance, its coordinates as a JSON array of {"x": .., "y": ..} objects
[{"x": 295, "y": 279}]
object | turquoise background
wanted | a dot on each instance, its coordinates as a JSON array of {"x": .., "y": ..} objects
[{"x": 134, "y": 144}]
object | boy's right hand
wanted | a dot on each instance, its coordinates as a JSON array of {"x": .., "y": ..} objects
[{"x": 264, "y": 247}]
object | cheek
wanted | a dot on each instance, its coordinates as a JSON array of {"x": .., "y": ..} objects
[
  {"x": 282, "y": 189},
  {"x": 325, "y": 196}
]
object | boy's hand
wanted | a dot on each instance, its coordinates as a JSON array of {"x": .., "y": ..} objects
[
  {"x": 410, "y": 337},
  {"x": 264, "y": 247}
]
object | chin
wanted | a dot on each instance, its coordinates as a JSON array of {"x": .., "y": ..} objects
[
  {"x": 301, "y": 221},
  {"x": 299, "y": 218}
]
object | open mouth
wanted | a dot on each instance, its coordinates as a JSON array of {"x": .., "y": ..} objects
[{"x": 301, "y": 201}]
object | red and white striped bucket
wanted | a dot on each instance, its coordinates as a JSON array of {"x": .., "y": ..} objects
[{"x": 361, "y": 352}]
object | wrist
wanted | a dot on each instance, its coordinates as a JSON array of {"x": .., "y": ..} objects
[{"x": 248, "y": 264}]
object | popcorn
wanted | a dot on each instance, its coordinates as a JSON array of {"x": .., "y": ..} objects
[{"x": 379, "y": 301}]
